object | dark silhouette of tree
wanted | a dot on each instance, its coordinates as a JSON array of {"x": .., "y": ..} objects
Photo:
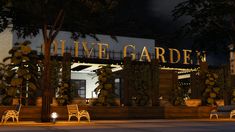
[
  {"x": 211, "y": 23},
  {"x": 29, "y": 17}
]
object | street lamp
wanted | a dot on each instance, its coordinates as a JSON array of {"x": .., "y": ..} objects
[{"x": 54, "y": 116}]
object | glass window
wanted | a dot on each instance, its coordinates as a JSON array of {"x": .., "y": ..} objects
[
  {"x": 117, "y": 85},
  {"x": 79, "y": 88}
]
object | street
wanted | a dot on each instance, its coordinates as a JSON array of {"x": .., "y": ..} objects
[{"x": 184, "y": 125}]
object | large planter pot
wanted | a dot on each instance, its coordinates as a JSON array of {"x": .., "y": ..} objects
[
  {"x": 193, "y": 102},
  {"x": 220, "y": 102}
]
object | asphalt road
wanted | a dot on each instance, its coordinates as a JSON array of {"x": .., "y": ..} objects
[{"x": 186, "y": 125}]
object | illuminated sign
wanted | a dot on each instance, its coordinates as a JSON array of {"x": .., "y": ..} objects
[{"x": 103, "y": 51}]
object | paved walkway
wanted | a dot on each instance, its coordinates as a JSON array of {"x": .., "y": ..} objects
[{"x": 161, "y": 125}]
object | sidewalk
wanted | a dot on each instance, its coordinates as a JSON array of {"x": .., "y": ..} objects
[
  {"x": 94, "y": 122},
  {"x": 35, "y": 123}
]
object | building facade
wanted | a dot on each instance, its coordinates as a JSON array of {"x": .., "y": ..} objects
[{"x": 89, "y": 54}]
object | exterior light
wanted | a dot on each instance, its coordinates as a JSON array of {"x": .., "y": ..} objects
[
  {"x": 54, "y": 116},
  {"x": 87, "y": 101}
]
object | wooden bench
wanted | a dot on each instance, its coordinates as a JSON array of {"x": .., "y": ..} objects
[
  {"x": 74, "y": 111},
  {"x": 14, "y": 114},
  {"x": 225, "y": 111}
]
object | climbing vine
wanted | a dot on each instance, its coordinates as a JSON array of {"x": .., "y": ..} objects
[
  {"x": 139, "y": 77},
  {"x": 212, "y": 90},
  {"x": 64, "y": 92},
  {"x": 141, "y": 84},
  {"x": 105, "y": 89}
]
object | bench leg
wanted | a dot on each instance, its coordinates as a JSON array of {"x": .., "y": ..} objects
[
  {"x": 216, "y": 115},
  {"x": 88, "y": 118},
  {"x": 231, "y": 116},
  {"x": 211, "y": 116},
  {"x": 79, "y": 118},
  {"x": 3, "y": 117},
  {"x": 17, "y": 119}
]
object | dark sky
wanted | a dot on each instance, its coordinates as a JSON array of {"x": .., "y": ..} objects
[
  {"x": 150, "y": 19},
  {"x": 154, "y": 20},
  {"x": 162, "y": 8},
  {"x": 161, "y": 12}
]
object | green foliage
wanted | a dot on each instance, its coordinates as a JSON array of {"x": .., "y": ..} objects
[
  {"x": 21, "y": 78},
  {"x": 140, "y": 77},
  {"x": 179, "y": 95},
  {"x": 64, "y": 90},
  {"x": 105, "y": 89},
  {"x": 55, "y": 74},
  {"x": 51, "y": 16},
  {"x": 3, "y": 79},
  {"x": 64, "y": 94},
  {"x": 66, "y": 68},
  {"x": 82, "y": 16},
  {"x": 233, "y": 96},
  {"x": 212, "y": 90},
  {"x": 142, "y": 96},
  {"x": 6, "y": 100},
  {"x": 209, "y": 22}
]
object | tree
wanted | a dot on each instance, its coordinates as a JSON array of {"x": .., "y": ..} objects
[
  {"x": 211, "y": 23},
  {"x": 29, "y": 17}
]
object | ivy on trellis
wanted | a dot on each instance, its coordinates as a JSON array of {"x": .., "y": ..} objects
[
  {"x": 105, "y": 89},
  {"x": 212, "y": 90}
]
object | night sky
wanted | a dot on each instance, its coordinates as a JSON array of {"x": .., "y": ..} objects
[
  {"x": 154, "y": 18},
  {"x": 150, "y": 19}
]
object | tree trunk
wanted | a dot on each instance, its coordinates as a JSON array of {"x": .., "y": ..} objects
[{"x": 46, "y": 94}]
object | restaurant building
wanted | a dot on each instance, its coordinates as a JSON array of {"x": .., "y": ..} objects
[{"x": 166, "y": 68}]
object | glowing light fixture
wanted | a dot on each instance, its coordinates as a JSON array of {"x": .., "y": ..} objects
[
  {"x": 87, "y": 101},
  {"x": 54, "y": 116}
]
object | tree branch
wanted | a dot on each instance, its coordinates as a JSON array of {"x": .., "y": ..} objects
[
  {"x": 222, "y": 29},
  {"x": 60, "y": 22},
  {"x": 44, "y": 32},
  {"x": 44, "y": 29},
  {"x": 57, "y": 22}
]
